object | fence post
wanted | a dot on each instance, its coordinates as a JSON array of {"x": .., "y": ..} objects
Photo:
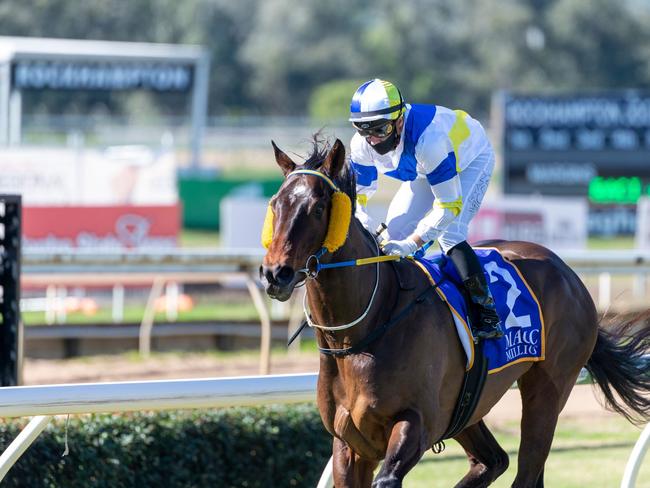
[
  {"x": 635, "y": 459},
  {"x": 10, "y": 237}
]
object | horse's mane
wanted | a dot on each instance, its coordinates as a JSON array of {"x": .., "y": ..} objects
[{"x": 346, "y": 180}]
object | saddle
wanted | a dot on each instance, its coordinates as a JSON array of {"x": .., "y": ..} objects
[{"x": 518, "y": 309}]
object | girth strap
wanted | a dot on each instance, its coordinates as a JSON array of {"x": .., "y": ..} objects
[{"x": 470, "y": 394}]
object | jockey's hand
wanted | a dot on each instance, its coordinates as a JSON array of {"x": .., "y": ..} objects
[{"x": 402, "y": 248}]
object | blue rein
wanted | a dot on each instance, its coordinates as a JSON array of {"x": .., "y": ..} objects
[{"x": 362, "y": 261}]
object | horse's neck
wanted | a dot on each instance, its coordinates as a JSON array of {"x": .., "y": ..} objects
[{"x": 341, "y": 295}]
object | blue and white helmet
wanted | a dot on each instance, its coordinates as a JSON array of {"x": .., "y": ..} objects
[{"x": 376, "y": 100}]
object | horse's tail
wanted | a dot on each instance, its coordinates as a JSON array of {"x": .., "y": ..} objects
[{"x": 618, "y": 365}]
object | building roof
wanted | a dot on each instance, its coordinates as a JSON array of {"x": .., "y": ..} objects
[{"x": 35, "y": 48}]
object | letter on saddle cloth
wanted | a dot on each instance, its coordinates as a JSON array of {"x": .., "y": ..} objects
[{"x": 517, "y": 306}]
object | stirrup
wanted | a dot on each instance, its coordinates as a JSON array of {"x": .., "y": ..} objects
[{"x": 491, "y": 332}]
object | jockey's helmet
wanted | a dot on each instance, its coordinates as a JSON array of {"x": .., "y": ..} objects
[{"x": 376, "y": 100}]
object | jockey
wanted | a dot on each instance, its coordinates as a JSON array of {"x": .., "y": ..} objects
[{"x": 445, "y": 161}]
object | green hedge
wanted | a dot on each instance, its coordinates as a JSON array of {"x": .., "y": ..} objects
[{"x": 279, "y": 446}]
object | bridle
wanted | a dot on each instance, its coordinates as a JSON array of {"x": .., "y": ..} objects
[
  {"x": 310, "y": 274},
  {"x": 313, "y": 266},
  {"x": 305, "y": 308}
]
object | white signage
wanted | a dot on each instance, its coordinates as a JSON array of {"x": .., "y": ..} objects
[
  {"x": 126, "y": 175},
  {"x": 76, "y": 75},
  {"x": 242, "y": 219},
  {"x": 642, "y": 236},
  {"x": 555, "y": 222}
]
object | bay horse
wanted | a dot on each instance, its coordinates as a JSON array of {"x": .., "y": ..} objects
[{"x": 391, "y": 395}]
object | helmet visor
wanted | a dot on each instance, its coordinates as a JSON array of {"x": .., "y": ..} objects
[{"x": 378, "y": 128}]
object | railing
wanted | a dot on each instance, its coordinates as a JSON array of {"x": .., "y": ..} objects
[
  {"x": 203, "y": 265},
  {"x": 157, "y": 268},
  {"x": 98, "y": 267},
  {"x": 93, "y": 267},
  {"x": 45, "y": 401},
  {"x": 151, "y": 267}
]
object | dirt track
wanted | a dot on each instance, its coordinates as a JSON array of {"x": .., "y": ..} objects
[{"x": 165, "y": 366}]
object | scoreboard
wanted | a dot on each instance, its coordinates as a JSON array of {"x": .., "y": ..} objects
[{"x": 587, "y": 144}]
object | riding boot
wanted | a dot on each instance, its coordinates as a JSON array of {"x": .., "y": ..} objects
[
  {"x": 471, "y": 273},
  {"x": 489, "y": 326}
]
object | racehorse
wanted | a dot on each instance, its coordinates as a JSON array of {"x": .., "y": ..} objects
[{"x": 391, "y": 363}]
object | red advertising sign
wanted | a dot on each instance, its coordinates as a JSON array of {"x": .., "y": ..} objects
[
  {"x": 101, "y": 226},
  {"x": 488, "y": 224},
  {"x": 493, "y": 223}
]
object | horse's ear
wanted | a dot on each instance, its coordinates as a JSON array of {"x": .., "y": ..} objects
[
  {"x": 284, "y": 161},
  {"x": 335, "y": 159}
]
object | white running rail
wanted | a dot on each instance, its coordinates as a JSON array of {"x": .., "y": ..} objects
[
  {"x": 636, "y": 458},
  {"x": 48, "y": 400}
]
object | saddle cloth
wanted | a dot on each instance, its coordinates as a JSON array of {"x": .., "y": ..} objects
[{"x": 521, "y": 316}]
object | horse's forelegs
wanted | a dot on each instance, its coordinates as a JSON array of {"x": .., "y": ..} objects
[
  {"x": 405, "y": 448},
  {"x": 349, "y": 470},
  {"x": 486, "y": 457}
]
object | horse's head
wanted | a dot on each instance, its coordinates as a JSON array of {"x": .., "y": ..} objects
[{"x": 308, "y": 212}]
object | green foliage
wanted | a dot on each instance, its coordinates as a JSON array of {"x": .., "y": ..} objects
[
  {"x": 244, "y": 447},
  {"x": 331, "y": 101},
  {"x": 275, "y": 57}
]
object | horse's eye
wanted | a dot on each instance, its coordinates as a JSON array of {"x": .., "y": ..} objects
[{"x": 318, "y": 211}]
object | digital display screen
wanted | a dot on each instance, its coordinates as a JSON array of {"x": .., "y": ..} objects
[{"x": 595, "y": 145}]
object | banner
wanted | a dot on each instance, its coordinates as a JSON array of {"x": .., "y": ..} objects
[
  {"x": 555, "y": 222},
  {"x": 121, "y": 175},
  {"x": 85, "y": 75},
  {"x": 642, "y": 234},
  {"x": 96, "y": 227}
]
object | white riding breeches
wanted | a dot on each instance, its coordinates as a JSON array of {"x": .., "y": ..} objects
[{"x": 414, "y": 200}]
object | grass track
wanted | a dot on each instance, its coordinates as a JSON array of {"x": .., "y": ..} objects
[{"x": 585, "y": 454}]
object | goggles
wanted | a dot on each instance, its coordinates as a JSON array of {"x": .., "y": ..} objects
[{"x": 382, "y": 131}]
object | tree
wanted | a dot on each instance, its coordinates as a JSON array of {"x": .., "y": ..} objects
[
  {"x": 283, "y": 57},
  {"x": 296, "y": 46}
]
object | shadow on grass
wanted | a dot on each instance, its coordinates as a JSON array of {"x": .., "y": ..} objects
[{"x": 513, "y": 452}]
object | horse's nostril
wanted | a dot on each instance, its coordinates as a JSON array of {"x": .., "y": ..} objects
[
  {"x": 284, "y": 275},
  {"x": 277, "y": 275},
  {"x": 268, "y": 274}
]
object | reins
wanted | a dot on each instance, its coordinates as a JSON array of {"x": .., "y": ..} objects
[
  {"x": 355, "y": 262},
  {"x": 349, "y": 324},
  {"x": 340, "y": 264},
  {"x": 377, "y": 332}
]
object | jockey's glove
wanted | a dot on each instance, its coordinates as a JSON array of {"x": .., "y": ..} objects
[{"x": 402, "y": 248}]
